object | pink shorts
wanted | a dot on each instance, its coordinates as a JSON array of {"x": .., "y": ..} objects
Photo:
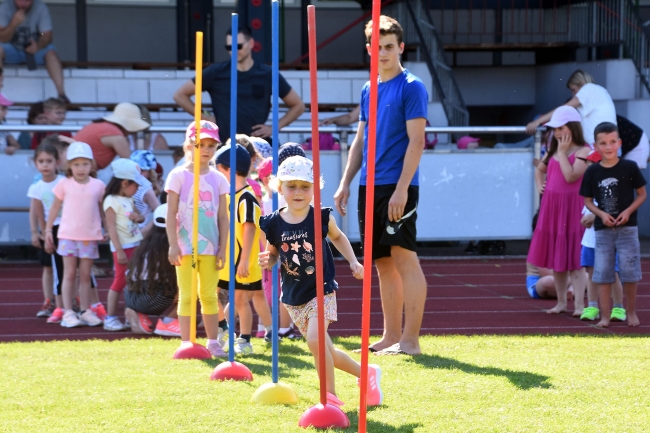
[
  {"x": 301, "y": 314},
  {"x": 81, "y": 249},
  {"x": 119, "y": 271}
]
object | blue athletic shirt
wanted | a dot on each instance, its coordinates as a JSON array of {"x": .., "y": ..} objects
[{"x": 400, "y": 99}]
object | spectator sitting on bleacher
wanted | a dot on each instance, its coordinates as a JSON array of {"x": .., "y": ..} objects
[
  {"x": 54, "y": 110},
  {"x": 147, "y": 140},
  {"x": 253, "y": 94},
  {"x": 26, "y": 37},
  {"x": 8, "y": 143},
  {"x": 343, "y": 119},
  {"x": 107, "y": 136},
  {"x": 35, "y": 116}
]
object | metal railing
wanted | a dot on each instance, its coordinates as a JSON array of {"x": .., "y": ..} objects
[
  {"x": 596, "y": 24},
  {"x": 420, "y": 31}
]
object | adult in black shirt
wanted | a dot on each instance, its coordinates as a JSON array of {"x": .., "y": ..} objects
[
  {"x": 613, "y": 189},
  {"x": 634, "y": 142},
  {"x": 253, "y": 92}
]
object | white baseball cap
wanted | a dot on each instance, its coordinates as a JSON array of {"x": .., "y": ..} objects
[
  {"x": 296, "y": 168},
  {"x": 79, "y": 149},
  {"x": 160, "y": 216},
  {"x": 125, "y": 168}
]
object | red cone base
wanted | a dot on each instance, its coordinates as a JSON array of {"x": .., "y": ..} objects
[
  {"x": 192, "y": 351},
  {"x": 324, "y": 417},
  {"x": 231, "y": 371}
]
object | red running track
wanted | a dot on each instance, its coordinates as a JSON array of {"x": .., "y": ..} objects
[{"x": 477, "y": 296}]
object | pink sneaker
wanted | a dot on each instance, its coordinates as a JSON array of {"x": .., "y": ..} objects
[
  {"x": 171, "y": 329},
  {"x": 57, "y": 316},
  {"x": 260, "y": 334},
  {"x": 375, "y": 396},
  {"x": 140, "y": 323},
  {"x": 100, "y": 311},
  {"x": 334, "y": 400},
  {"x": 216, "y": 350}
]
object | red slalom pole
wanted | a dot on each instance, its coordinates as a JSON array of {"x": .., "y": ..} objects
[
  {"x": 370, "y": 200},
  {"x": 322, "y": 415},
  {"x": 320, "y": 288}
]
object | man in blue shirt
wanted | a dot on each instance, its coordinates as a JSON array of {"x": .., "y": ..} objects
[
  {"x": 253, "y": 92},
  {"x": 401, "y": 119}
]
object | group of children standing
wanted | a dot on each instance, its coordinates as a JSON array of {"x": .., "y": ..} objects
[{"x": 597, "y": 190}]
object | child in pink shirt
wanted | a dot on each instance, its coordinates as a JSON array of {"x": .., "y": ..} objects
[{"x": 80, "y": 229}]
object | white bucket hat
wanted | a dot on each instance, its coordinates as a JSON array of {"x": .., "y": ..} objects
[
  {"x": 79, "y": 149},
  {"x": 128, "y": 116},
  {"x": 160, "y": 216},
  {"x": 296, "y": 168}
]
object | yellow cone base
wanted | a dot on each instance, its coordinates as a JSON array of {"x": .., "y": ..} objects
[{"x": 275, "y": 393}]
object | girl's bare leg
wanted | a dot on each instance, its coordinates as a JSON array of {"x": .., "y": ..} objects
[{"x": 561, "y": 286}]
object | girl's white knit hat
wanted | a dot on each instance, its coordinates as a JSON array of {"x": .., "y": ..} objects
[{"x": 296, "y": 168}]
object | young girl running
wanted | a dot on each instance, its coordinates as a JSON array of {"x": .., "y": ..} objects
[
  {"x": 80, "y": 195},
  {"x": 152, "y": 288},
  {"x": 556, "y": 242},
  {"x": 291, "y": 240},
  {"x": 213, "y": 231},
  {"x": 122, "y": 220},
  {"x": 46, "y": 158}
]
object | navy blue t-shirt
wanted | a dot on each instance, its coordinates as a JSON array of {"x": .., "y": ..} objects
[
  {"x": 253, "y": 96},
  {"x": 296, "y": 243},
  {"x": 399, "y": 99}
]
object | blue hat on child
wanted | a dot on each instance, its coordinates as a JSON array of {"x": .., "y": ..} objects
[
  {"x": 145, "y": 159},
  {"x": 242, "y": 155}
]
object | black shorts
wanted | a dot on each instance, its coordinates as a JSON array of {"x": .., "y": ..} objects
[
  {"x": 385, "y": 233},
  {"x": 44, "y": 258},
  {"x": 254, "y": 286}
]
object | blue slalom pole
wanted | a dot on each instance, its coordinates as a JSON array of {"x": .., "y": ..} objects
[
  {"x": 275, "y": 89},
  {"x": 233, "y": 181}
]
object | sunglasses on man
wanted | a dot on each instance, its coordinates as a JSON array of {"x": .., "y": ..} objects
[{"x": 229, "y": 47}]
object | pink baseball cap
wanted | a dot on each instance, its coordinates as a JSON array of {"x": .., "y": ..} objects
[
  {"x": 563, "y": 115},
  {"x": 463, "y": 142},
  {"x": 208, "y": 130},
  {"x": 265, "y": 168},
  {"x": 4, "y": 101}
]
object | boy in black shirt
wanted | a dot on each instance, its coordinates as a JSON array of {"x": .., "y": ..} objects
[{"x": 612, "y": 183}]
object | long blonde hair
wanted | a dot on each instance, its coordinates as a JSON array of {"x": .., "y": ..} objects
[{"x": 580, "y": 78}]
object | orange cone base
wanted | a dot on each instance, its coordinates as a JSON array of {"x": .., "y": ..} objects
[
  {"x": 324, "y": 417},
  {"x": 231, "y": 371},
  {"x": 192, "y": 351}
]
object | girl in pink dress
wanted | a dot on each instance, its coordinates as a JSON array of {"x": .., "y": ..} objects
[{"x": 556, "y": 242}]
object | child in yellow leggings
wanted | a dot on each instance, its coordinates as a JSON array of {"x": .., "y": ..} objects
[{"x": 212, "y": 230}]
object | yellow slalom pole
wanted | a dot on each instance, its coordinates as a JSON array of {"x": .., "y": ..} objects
[{"x": 198, "y": 107}]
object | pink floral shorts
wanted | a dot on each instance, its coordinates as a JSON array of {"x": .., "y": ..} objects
[
  {"x": 301, "y": 314},
  {"x": 81, "y": 249}
]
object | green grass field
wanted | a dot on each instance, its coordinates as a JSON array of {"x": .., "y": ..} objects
[{"x": 461, "y": 384}]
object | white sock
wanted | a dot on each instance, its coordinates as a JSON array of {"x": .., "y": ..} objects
[
  {"x": 185, "y": 342},
  {"x": 261, "y": 327},
  {"x": 284, "y": 330},
  {"x": 211, "y": 342}
]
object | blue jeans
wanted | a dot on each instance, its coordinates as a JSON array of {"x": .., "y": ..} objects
[
  {"x": 623, "y": 241},
  {"x": 14, "y": 56}
]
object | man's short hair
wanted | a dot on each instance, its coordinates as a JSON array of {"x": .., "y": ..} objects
[
  {"x": 605, "y": 128},
  {"x": 53, "y": 103},
  {"x": 387, "y": 26},
  {"x": 244, "y": 30}
]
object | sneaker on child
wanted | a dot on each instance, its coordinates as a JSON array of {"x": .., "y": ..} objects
[
  {"x": 243, "y": 347},
  {"x": 47, "y": 309},
  {"x": 374, "y": 396},
  {"x": 140, "y": 323},
  {"x": 113, "y": 324},
  {"x": 90, "y": 318},
  {"x": 56, "y": 317},
  {"x": 618, "y": 314},
  {"x": 291, "y": 334},
  {"x": 171, "y": 329},
  {"x": 100, "y": 310},
  {"x": 216, "y": 350},
  {"x": 334, "y": 400},
  {"x": 70, "y": 320},
  {"x": 590, "y": 313}
]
